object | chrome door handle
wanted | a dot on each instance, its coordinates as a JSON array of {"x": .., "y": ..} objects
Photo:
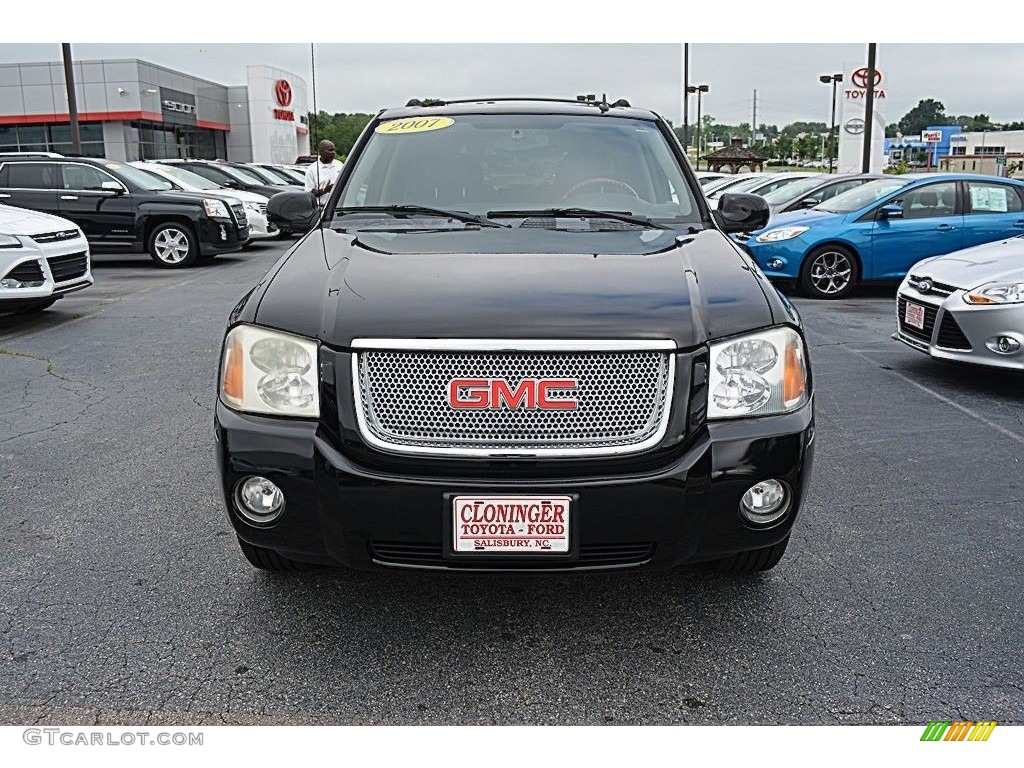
[
  {"x": 945, "y": 228},
  {"x": 69, "y": 197},
  {"x": 5, "y": 197}
]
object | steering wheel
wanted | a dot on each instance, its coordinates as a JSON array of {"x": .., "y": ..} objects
[{"x": 590, "y": 182}]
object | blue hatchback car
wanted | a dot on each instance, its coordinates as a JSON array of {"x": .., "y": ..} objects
[{"x": 880, "y": 229}]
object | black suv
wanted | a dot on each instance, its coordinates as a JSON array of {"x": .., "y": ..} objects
[
  {"x": 121, "y": 207},
  {"x": 229, "y": 175},
  {"x": 517, "y": 340}
]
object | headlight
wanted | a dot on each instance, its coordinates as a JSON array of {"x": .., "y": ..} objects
[
  {"x": 9, "y": 241},
  {"x": 757, "y": 375},
  {"x": 264, "y": 371},
  {"x": 782, "y": 233},
  {"x": 216, "y": 209},
  {"x": 996, "y": 293}
]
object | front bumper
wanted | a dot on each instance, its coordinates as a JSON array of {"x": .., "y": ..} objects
[
  {"x": 220, "y": 235},
  {"x": 260, "y": 227},
  {"x": 780, "y": 260},
  {"x": 59, "y": 268},
  {"x": 957, "y": 331},
  {"x": 340, "y": 512}
]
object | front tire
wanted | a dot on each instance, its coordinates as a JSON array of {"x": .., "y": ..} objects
[
  {"x": 173, "y": 245},
  {"x": 752, "y": 561},
  {"x": 269, "y": 560},
  {"x": 829, "y": 272}
]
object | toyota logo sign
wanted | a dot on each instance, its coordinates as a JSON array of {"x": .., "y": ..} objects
[
  {"x": 283, "y": 91},
  {"x": 854, "y": 125},
  {"x": 860, "y": 77}
]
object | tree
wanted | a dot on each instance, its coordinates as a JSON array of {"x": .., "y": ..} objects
[
  {"x": 927, "y": 112},
  {"x": 340, "y": 128}
]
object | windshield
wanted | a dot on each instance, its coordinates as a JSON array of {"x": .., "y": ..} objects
[
  {"x": 276, "y": 177},
  {"x": 508, "y": 164},
  {"x": 729, "y": 182},
  {"x": 793, "y": 190},
  {"x": 239, "y": 175},
  {"x": 187, "y": 179},
  {"x": 865, "y": 194},
  {"x": 265, "y": 176},
  {"x": 150, "y": 182}
]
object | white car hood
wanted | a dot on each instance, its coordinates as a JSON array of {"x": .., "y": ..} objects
[
  {"x": 238, "y": 194},
  {"x": 969, "y": 268},
  {"x": 21, "y": 221}
]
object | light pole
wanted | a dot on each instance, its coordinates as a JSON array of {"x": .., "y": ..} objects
[
  {"x": 698, "y": 89},
  {"x": 836, "y": 78}
]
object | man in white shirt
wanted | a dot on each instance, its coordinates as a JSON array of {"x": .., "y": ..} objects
[{"x": 321, "y": 175}]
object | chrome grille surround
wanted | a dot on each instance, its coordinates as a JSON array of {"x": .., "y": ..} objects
[{"x": 624, "y": 396}]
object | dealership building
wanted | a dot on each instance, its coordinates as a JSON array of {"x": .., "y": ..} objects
[{"x": 130, "y": 109}]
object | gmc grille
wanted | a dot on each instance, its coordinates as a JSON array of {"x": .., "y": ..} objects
[
  {"x": 238, "y": 211},
  {"x": 68, "y": 267},
  {"x": 622, "y": 401}
]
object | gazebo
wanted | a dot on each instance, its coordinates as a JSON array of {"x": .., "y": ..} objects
[{"x": 734, "y": 158}]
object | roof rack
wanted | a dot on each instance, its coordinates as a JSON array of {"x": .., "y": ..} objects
[{"x": 591, "y": 99}]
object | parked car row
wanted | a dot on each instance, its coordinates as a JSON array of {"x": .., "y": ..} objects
[{"x": 56, "y": 209}]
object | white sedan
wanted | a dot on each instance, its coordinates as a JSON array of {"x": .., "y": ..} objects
[
  {"x": 42, "y": 258},
  {"x": 966, "y": 306}
]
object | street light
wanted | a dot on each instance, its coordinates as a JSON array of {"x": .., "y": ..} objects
[
  {"x": 698, "y": 89},
  {"x": 826, "y": 79}
]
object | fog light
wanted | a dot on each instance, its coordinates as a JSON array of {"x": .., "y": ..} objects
[
  {"x": 765, "y": 502},
  {"x": 259, "y": 500},
  {"x": 1003, "y": 345},
  {"x": 223, "y": 233},
  {"x": 10, "y": 282},
  {"x": 776, "y": 263}
]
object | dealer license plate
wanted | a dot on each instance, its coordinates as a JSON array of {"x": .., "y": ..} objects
[
  {"x": 536, "y": 525},
  {"x": 914, "y": 315}
]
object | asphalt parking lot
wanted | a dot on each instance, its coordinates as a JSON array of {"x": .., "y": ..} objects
[{"x": 124, "y": 597}]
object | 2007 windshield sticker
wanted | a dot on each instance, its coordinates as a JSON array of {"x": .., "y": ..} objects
[{"x": 414, "y": 125}]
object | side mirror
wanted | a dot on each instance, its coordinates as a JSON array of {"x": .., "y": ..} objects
[
  {"x": 741, "y": 213},
  {"x": 232, "y": 184},
  {"x": 112, "y": 186},
  {"x": 890, "y": 212},
  {"x": 808, "y": 203},
  {"x": 294, "y": 212}
]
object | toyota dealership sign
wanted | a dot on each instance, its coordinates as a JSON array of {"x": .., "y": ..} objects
[{"x": 854, "y": 118}]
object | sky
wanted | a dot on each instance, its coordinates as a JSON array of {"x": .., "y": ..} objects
[{"x": 370, "y": 56}]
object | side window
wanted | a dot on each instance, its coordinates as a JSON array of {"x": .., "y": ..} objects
[
  {"x": 929, "y": 201},
  {"x": 83, "y": 178},
  {"x": 993, "y": 198},
  {"x": 32, "y": 176}
]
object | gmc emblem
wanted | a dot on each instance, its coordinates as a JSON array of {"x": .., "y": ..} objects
[{"x": 496, "y": 393}]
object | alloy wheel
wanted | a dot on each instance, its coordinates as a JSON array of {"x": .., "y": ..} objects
[
  {"x": 171, "y": 246},
  {"x": 831, "y": 272}
]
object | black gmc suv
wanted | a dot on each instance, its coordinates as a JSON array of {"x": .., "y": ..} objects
[
  {"x": 121, "y": 207},
  {"x": 516, "y": 339}
]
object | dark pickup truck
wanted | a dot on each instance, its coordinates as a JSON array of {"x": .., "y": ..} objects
[{"x": 120, "y": 207}]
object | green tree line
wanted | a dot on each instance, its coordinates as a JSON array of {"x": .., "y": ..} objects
[{"x": 341, "y": 128}]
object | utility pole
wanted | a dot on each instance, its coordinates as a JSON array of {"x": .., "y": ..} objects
[
  {"x": 753, "y": 125},
  {"x": 869, "y": 111},
  {"x": 686, "y": 97},
  {"x": 69, "y": 81}
]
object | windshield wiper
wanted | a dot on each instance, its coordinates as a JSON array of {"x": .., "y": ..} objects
[
  {"x": 584, "y": 213},
  {"x": 469, "y": 218}
]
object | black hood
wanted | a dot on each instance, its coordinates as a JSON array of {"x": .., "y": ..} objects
[{"x": 697, "y": 288}]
